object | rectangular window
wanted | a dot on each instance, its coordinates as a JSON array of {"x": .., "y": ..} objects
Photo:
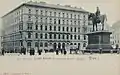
[
  {"x": 63, "y": 28},
  {"x": 50, "y": 35},
  {"x": 58, "y": 28},
  {"x": 45, "y": 27},
  {"x": 54, "y": 36},
  {"x": 78, "y": 37},
  {"x": 50, "y": 28},
  {"x": 41, "y": 36},
  {"x": 54, "y": 28},
  {"x": 41, "y": 27},
  {"x": 36, "y": 35},
  {"x": 29, "y": 35}
]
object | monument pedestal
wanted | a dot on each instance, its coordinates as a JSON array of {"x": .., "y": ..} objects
[{"x": 99, "y": 40}]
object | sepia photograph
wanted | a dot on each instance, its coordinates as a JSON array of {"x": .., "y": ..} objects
[{"x": 59, "y": 37}]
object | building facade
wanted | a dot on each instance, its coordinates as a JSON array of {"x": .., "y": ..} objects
[
  {"x": 38, "y": 25},
  {"x": 116, "y": 34}
]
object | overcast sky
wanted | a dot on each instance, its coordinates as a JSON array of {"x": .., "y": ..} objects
[{"x": 108, "y": 7}]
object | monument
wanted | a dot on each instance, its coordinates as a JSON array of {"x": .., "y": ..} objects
[{"x": 98, "y": 40}]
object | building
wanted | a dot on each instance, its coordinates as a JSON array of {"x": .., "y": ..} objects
[
  {"x": 38, "y": 25},
  {"x": 116, "y": 34}
]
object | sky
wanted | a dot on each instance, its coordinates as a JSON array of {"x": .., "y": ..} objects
[{"x": 108, "y": 7}]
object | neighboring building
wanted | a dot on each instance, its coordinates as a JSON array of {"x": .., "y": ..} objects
[
  {"x": 38, "y": 25},
  {"x": 116, "y": 33}
]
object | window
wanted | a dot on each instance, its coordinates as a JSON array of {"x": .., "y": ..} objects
[
  {"x": 74, "y": 43},
  {"x": 45, "y": 20},
  {"x": 63, "y": 28},
  {"x": 59, "y": 21},
  {"x": 75, "y": 37},
  {"x": 84, "y": 45},
  {"x": 54, "y": 28},
  {"x": 78, "y": 29},
  {"x": 67, "y": 22},
  {"x": 54, "y": 36},
  {"x": 50, "y": 13},
  {"x": 75, "y": 16},
  {"x": 45, "y": 27},
  {"x": 50, "y": 20},
  {"x": 29, "y": 11},
  {"x": 41, "y": 12},
  {"x": 21, "y": 43},
  {"x": 63, "y": 21},
  {"x": 71, "y": 29},
  {"x": 71, "y": 22},
  {"x": 29, "y": 26},
  {"x": 71, "y": 36},
  {"x": 54, "y": 21},
  {"x": 54, "y": 13},
  {"x": 41, "y": 27},
  {"x": 63, "y": 14},
  {"x": 36, "y": 11},
  {"x": 75, "y": 29},
  {"x": 41, "y": 44},
  {"x": 36, "y": 44},
  {"x": 36, "y": 27},
  {"x": 41, "y": 20},
  {"x": 29, "y": 35},
  {"x": 75, "y": 22},
  {"x": 41, "y": 35},
  {"x": 50, "y": 28},
  {"x": 63, "y": 36},
  {"x": 78, "y": 16},
  {"x": 67, "y": 29},
  {"x": 84, "y": 37},
  {"x": 71, "y": 15},
  {"x": 78, "y": 37},
  {"x": 46, "y": 44},
  {"x": 36, "y": 35},
  {"x": 59, "y": 14},
  {"x": 45, "y": 36},
  {"x": 67, "y": 36},
  {"x": 58, "y": 28},
  {"x": 58, "y": 36},
  {"x": 67, "y": 15},
  {"x": 50, "y": 35},
  {"x": 29, "y": 17}
]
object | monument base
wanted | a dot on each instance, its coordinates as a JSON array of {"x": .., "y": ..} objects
[{"x": 99, "y": 40}]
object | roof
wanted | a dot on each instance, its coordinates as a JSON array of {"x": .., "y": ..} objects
[{"x": 45, "y": 5}]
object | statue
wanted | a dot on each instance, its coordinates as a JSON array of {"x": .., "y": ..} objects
[{"x": 97, "y": 18}]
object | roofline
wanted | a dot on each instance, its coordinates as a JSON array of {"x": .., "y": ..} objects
[
  {"x": 27, "y": 4},
  {"x": 13, "y": 10}
]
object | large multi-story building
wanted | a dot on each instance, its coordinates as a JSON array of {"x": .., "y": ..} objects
[{"x": 38, "y": 25}]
